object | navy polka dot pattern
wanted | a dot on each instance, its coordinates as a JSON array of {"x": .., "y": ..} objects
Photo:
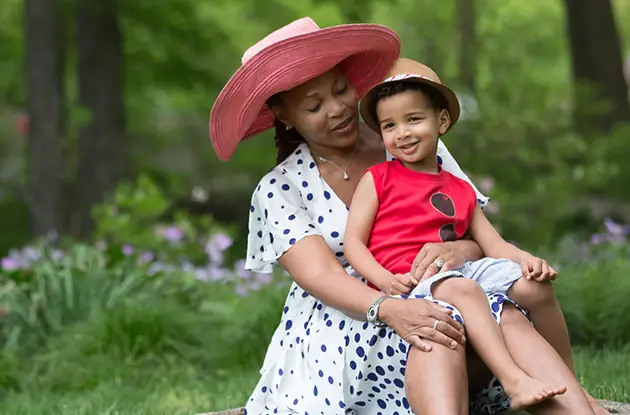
[{"x": 320, "y": 361}]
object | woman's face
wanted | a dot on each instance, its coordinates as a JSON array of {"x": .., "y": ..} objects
[{"x": 323, "y": 110}]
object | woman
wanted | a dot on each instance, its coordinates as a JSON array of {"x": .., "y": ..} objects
[{"x": 409, "y": 357}]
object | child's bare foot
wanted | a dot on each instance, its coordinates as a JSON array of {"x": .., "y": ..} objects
[{"x": 527, "y": 391}]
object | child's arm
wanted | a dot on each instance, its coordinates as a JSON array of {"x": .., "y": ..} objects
[
  {"x": 493, "y": 245},
  {"x": 360, "y": 220}
]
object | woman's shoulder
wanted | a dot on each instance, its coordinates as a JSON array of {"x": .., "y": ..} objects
[
  {"x": 284, "y": 182},
  {"x": 288, "y": 170}
]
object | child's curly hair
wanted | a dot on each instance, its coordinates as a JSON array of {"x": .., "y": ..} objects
[{"x": 435, "y": 98}]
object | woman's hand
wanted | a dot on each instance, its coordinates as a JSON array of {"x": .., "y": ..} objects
[
  {"x": 454, "y": 254},
  {"x": 414, "y": 321}
]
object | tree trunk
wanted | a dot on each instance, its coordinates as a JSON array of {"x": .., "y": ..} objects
[
  {"x": 467, "y": 45},
  {"x": 100, "y": 150},
  {"x": 597, "y": 64},
  {"x": 45, "y": 188}
]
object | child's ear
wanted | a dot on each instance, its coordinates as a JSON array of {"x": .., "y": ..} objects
[{"x": 445, "y": 121}]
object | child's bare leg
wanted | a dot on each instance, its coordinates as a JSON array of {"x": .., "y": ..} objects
[
  {"x": 486, "y": 338},
  {"x": 539, "y": 299}
]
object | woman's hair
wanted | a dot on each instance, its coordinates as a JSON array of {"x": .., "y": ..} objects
[
  {"x": 286, "y": 140},
  {"x": 435, "y": 98}
]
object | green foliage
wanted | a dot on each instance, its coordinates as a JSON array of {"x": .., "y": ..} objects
[
  {"x": 594, "y": 298},
  {"x": 59, "y": 291},
  {"x": 179, "y": 53},
  {"x": 141, "y": 219}
]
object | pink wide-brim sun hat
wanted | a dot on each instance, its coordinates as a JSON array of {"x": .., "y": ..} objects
[{"x": 289, "y": 57}]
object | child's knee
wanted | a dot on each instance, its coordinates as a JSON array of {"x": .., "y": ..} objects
[
  {"x": 531, "y": 294},
  {"x": 457, "y": 287}
]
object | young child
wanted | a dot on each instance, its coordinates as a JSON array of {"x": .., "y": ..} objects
[{"x": 403, "y": 204}]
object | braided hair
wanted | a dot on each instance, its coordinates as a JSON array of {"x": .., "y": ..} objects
[{"x": 286, "y": 140}]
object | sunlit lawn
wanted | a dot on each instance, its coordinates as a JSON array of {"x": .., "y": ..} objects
[{"x": 605, "y": 373}]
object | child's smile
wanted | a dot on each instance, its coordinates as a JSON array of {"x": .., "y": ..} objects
[{"x": 410, "y": 129}]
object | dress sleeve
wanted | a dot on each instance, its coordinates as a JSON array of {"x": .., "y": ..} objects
[
  {"x": 277, "y": 220},
  {"x": 448, "y": 163}
]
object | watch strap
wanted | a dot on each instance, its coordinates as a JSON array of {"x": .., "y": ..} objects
[{"x": 372, "y": 314}]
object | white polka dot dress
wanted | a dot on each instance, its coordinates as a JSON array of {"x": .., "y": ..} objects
[{"x": 321, "y": 361}]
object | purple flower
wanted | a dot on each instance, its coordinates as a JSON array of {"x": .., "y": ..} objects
[
  {"x": 147, "y": 257},
  {"x": 221, "y": 241},
  {"x": 241, "y": 272},
  {"x": 216, "y": 245},
  {"x": 597, "y": 239},
  {"x": 10, "y": 264},
  {"x": 171, "y": 233},
  {"x": 128, "y": 250},
  {"x": 210, "y": 273},
  {"x": 614, "y": 228},
  {"x": 217, "y": 273},
  {"x": 241, "y": 290}
]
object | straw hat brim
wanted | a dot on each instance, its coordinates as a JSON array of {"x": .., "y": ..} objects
[{"x": 365, "y": 52}]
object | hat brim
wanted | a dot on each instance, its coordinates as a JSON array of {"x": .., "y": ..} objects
[
  {"x": 365, "y": 52},
  {"x": 452, "y": 102}
]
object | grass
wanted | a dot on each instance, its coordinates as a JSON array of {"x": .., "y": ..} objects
[
  {"x": 605, "y": 373},
  {"x": 184, "y": 391},
  {"x": 157, "y": 394}
]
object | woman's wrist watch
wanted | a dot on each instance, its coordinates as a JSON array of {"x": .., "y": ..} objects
[{"x": 372, "y": 313}]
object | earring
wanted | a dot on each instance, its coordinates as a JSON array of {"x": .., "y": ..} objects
[{"x": 288, "y": 127}]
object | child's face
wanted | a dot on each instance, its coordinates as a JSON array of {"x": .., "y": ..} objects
[{"x": 410, "y": 126}]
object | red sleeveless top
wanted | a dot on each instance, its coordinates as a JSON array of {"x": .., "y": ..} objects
[{"x": 414, "y": 209}]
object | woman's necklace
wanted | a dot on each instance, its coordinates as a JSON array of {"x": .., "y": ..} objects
[{"x": 346, "y": 176}]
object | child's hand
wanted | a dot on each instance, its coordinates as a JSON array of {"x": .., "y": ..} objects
[
  {"x": 400, "y": 284},
  {"x": 537, "y": 269}
]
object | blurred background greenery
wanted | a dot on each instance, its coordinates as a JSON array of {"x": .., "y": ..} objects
[{"x": 122, "y": 288}]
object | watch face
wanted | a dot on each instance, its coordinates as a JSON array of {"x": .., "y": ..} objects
[{"x": 371, "y": 314}]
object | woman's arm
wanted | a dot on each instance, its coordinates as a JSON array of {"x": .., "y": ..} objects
[
  {"x": 360, "y": 221},
  {"x": 313, "y": 266},
  {"x": 315, "y": 269}
]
